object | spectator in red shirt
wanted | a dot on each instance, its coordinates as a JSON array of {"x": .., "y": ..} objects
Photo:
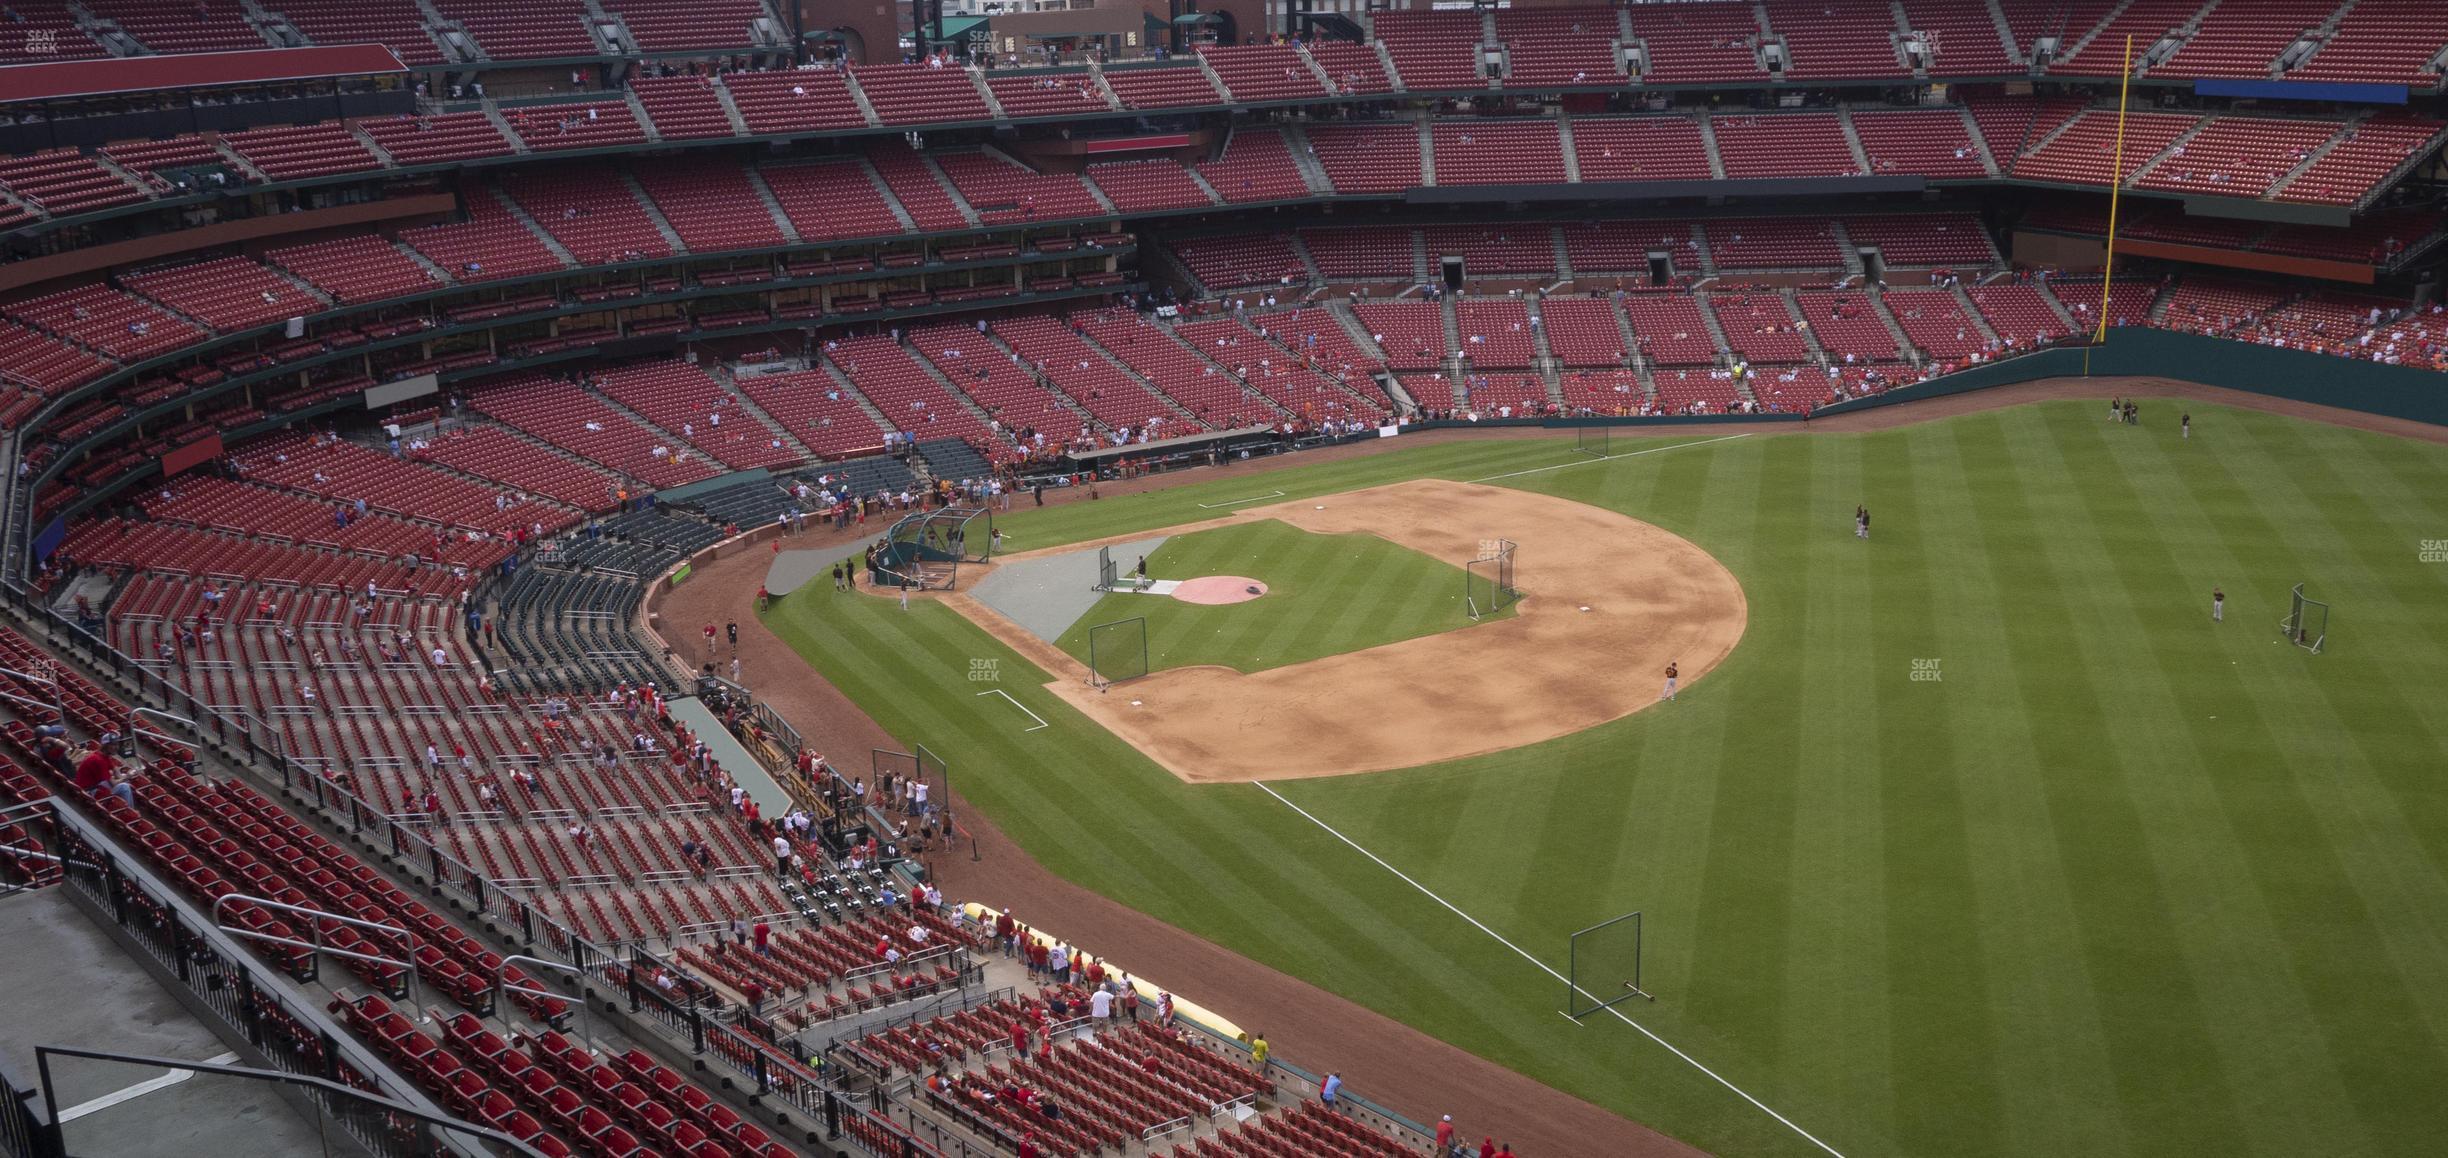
[
  {"x": 1487, "y": 1148},
  {"x": 763, "y": 934},
  {"x": 97, "y": 775}
]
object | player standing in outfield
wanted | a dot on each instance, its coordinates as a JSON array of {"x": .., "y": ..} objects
[
  {"x": 2186, "y": 423},
  {"x": 2218, "y": 606},
  {"x": 1671, "y": 672}
]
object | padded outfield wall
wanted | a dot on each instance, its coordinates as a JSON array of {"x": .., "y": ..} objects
[{"x": 2299, "y": 375}]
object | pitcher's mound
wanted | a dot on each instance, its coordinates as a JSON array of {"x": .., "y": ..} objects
[{"x": 1213, "y": 590}]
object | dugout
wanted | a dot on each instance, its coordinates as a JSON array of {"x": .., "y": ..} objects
[{"x": 1201, "y": 449}]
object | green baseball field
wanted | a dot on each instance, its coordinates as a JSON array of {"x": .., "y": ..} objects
[
  {"x": 1985, "y": 840},
  {"x": 1307, "y": 611}
]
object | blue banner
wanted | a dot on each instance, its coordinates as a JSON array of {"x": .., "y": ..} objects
[{"x": 2303, "y": 90}]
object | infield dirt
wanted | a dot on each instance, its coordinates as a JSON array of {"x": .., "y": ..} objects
[{"x": 1609, "y": 601}]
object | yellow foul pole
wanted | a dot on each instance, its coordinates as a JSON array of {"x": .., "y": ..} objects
[{"x": 2116, "y": 187}]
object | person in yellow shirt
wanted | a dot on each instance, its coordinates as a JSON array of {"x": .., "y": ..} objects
[{"x": 1258, "y": 1050}]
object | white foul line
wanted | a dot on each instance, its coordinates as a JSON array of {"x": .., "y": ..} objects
[
  {"x": 1543, "y": 966},
  {"x": 1612, "y": 457},
  {"x": 138, "y": 1090},
  {"x": 1023, "y": 707},
  {"x": 1238, "y": 502}
]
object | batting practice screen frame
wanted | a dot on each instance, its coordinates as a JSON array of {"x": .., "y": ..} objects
[
  {"x": 1487, "y": 581},
  {"x": 1604, "y": 966},
  {"x": 1117, "y": 651}
]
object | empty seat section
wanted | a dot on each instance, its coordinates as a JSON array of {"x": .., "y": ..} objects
[
  {"x": 589, "y": 209},
  {"x": 1698, "y": 43},
  {"x": 2242, "y": 38},
  {"x": 565, "y": 416},
  {"x": 399, "y": 27},
  {"x": 1837, "y": 39},
  {"x": 831, "y": 200},
  {"x": 441, "y": 137},
  {"x": 492, "y": 452},
  {"x": 1669, "y": 328},
  {"x": 43, "y": 365},
  {"x": 685, "y": 400},
  {"x": 2019, "y": 312},
  {"x": 1773, "y": 243},
  {"x": 1003, "y": 192},
  {"x": 1263, "y": 72},
  {"x": 2239, "y": 156},
  {"x": 1933, "y": 320},
  {"x": 294, "y": 152},
  {"x": 1584, "y": 331},
  {"x": 1256, "y": 166},
  {"x": 1162, "y": 86},
  {"x": 818, "y": 409},
  {"x": 1963, "y": 38},
  {"x": 798, "y": 100},
  {"x": 1625, "y": 247},
  {"x": 583, "y": 125},
  {"x": 2084, "y": 153},
  {"x": 488, "y": 246},
  {"x": 356, "y": 269},
  {"x": 1369, "y": 158},
  {"x": 65, "y": 181},
  {"x": 1784, "y": 145},
  {"x": 682, "y": 107},
  {"x": 1930, "y": 142},
  {"x": 1063, "y": 360},
  {"x": 1953, "y": 240},
  {"x": 2382, "y": 42},
  {"x": 2363, "y": 156},
  {"x": 120, "y": 325},
  {"x": 1376, "y": 253},
  {"x": 2013, "y": 126},
  {"x": 1759, "y": 327},
  {"x": 915, "y": 186},
  {"x": 1213, "y": 398},
  {"x": 1496, "y": 333},
  {"x": 1047, "y": 94},
  {"x": 1847, "y": 325},
  {"x": 197, "y": 26},
  {"x": 1412, "y": 334},
  {"x": 1559, "y": 47},
  {"x": 2213, "y": 305},
  {"x": 712, "y": 206},
  {"x": 674, "y": 25},
  {"x": 1353, "y": 69},
  {"x": 46, "y": 31},
  {"x": 1640, "y": 149},
  {"x": 228, "y": 294},
  {"x": 1485, "y": 250},
  {"x": 1497, "y": 152},
  {"x": 1148, "y": 186},
  {"x": 909, "y": 398},
  {"x": 1432, "y": 50},
  {"x": 148, "y": 159},
  {"x": 2103, "y": 53},
  {"x": 523, "y": 29},
  {"x": 910, "y": 94}
]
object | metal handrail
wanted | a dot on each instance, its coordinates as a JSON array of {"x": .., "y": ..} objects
[{"x": 424, "y": 1015}]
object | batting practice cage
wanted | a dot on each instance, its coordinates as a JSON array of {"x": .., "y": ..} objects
[
  {"x": 1107, "y": 577},
  {"x": 1117, "y": 651},
  {"x": 1590, "y": 440},
  {"x": 1488, "y": 580},
  {"x": 928, "y": 547},
  {"x": 2307, "y": 622},
  {"x": 1605, "y": 966}
]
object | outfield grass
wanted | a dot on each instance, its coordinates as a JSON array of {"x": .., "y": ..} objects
[
  {"x": 1326, "y": 595},
  {"x": 2120, "y": 882}
]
